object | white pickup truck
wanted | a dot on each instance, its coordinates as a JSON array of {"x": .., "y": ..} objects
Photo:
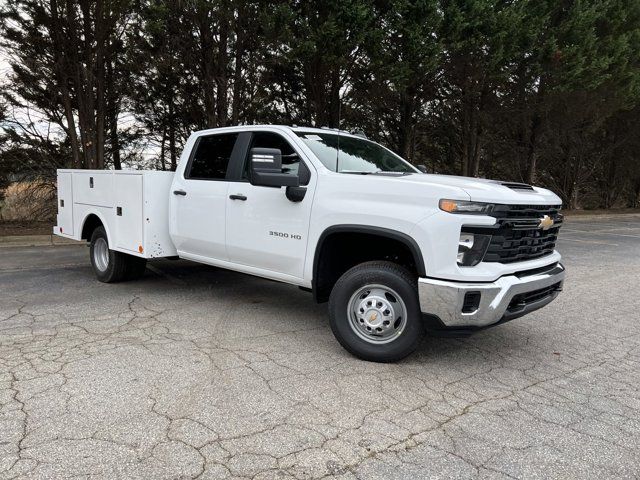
[{"x": 394, "y": 250}]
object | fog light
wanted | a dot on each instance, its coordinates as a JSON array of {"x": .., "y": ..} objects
[
  {"x": 471, "y": 248},
  {"x": 471, "y": 302}
]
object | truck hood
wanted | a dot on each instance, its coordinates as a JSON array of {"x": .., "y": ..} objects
[{"x": 494, "y": 191}]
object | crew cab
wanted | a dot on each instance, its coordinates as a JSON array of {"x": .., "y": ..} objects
[{"x": 393, "y": 250}]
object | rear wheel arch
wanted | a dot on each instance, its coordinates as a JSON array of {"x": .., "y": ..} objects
[
  {"x": 92, "y": 221},
  {"x": 341, "y": 247}
]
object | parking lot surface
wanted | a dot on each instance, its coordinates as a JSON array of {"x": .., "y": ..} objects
[{"x": 196, "y": 372}]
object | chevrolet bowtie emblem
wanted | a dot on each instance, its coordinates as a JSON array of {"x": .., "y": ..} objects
[
  {"x": 373, "y": 317},
  {"x": 545, "y": 222}
]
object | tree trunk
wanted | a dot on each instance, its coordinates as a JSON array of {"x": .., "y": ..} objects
[
  {"x": 87, "y": 101},
  {"x": 222, "y": 100},
  {"x": 112, "y": 108},
  {"x": 163, "y": 165},
  {"x": 335, "y": 102},
  {"x": 71, "y": 128},
  {"x": 61, "y": 65},
  {"x": 466, "y": 136},
  {"x": 172, "y": 138},
  {"x": 237, "y": 73},
  {"x": 532, "y": 157},
  {"x": 478, "y": 110},
  {"x": 207, "y": 67},
  {"x": 535, "y": 132},
  {"x": 406, "y": 127},
  {"x": 100, "y": 38}
]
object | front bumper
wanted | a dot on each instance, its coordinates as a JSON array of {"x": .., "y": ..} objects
[{"x": 486, "y": 304}]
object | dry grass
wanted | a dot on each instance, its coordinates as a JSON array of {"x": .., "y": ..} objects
[
  {"x": 29, "y": 201},
  {"x": 17, "y": 227}
]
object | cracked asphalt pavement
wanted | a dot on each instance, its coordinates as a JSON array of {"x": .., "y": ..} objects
[{"x": 196, "y": 372}]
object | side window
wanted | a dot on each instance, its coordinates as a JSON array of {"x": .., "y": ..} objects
[
  {"x": 290, "y": 159},
  {"x": 211, "y": 158}
]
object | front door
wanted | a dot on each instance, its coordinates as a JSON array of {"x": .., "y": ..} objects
[
  {"x": 199, "y": 199},
  {"x": 264, "y": 228}
]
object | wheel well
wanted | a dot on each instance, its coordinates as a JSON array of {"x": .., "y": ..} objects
[
  {"x": 342, "y": 248},
  {"x": 90, "y": 224}
]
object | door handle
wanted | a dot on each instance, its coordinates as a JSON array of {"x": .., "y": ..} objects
[
  {"x": 238, "y": 197},
  {"x": 179, "y": 192}
]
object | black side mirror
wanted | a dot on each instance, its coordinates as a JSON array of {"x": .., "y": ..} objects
[
  {"x": 266, "y": 169},
  {"x": 422, "y": 168},
  {"x": 297, "y": 194}
]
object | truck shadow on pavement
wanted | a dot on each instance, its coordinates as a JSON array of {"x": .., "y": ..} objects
[{"x": 286, "y": 307}]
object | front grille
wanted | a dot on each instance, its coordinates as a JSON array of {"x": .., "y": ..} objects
[
  {"x": 518, "y": 302},
  {"x": 508, "y": 245},
  {"x": 517, "y": 213},
  {"x": 516, "y": 236}
]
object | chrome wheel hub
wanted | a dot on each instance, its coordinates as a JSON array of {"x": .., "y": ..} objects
[
  {"x": 101, "y": 254},
  {"x": 377, "y": 314}
]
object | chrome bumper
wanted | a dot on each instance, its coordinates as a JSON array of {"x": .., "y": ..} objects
[{"x": 445, "y": 299}]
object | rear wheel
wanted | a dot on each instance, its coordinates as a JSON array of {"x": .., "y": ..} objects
[
  {"x": 375, "y": 313},
  {"x": 111, "y": 266}
]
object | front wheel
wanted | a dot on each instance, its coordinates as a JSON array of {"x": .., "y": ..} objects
[{"x": 375, "y": 313}]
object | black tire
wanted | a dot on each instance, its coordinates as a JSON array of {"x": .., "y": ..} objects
[
  {"x": 136, "y": 267},
  {"x": 389, "y": 275},
  {"x": 116, "y": 264}
]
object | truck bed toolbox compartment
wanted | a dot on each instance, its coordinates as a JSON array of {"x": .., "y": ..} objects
[
  {"x": 93, "y": 188},
  {"x": 133, "y": 205},
  {"x": 128, "y": 201}
]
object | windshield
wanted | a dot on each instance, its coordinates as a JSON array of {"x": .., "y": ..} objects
[{"x": 356, "y": 155}]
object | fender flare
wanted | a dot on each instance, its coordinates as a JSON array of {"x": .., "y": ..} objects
[{"x": 403, "y": 238}]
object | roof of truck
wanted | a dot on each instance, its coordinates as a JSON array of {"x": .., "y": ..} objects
[{"x": 295, "y": 128}]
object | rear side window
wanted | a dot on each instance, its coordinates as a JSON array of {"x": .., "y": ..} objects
[{"x": 211, "y": 158}]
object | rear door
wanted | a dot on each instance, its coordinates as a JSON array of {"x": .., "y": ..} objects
[
  {"x": 199, "y": 198},
  {"x": 264, "y": 228}
]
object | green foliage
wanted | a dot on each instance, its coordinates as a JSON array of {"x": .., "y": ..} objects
[{"x": 544, "y": 91}]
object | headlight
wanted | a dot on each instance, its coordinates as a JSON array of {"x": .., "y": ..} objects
[
  {"x": 462, "y": 206},
  {"x": 471, "y": 248}
]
